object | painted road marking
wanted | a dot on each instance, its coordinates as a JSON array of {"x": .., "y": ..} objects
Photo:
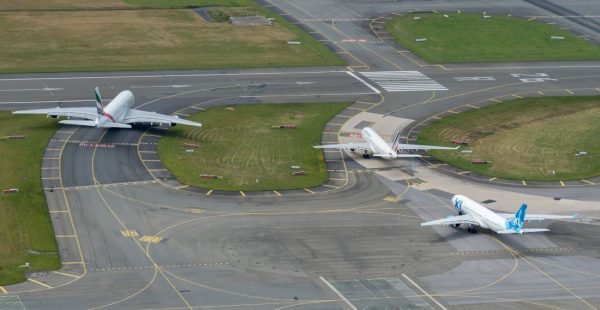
[
  {"x": 338, "y": 294},
  {"x": 277, "y": 193},
  {"x": 3, "y": 290},
  {"x": 424, "y": 292},
  {"x": 151, "y": 239},
  {"x": 209, "y": 192},
  {"x": 371, "y": 87},
  {"x": 194, "y": 210},
  {"x": 562, "y": 183},
  {"x": 129, "y": 233},
  {"x": 532, "y": 78},
  {"x": 392, "y": 198},
  {"x": 492, "y": 179},
  {"x": 242, "y": 193},
  {"x": 588, "y": 182},
  {"x": 38, "y": 282},
  {"x": 399, "y": 81},
  {"x": 474, "y": 78},
  {"x": 524, "y": 183},
  {"x": 65, "y": 274},
  {"x": 309, "y": 191}
]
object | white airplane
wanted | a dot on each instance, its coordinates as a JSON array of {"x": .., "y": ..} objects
[
  {"x": 377, "y": 147},
  {"x": 117, "y": 114},
  {"x": 473, "y": 214}
]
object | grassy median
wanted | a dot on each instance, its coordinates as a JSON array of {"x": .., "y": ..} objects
[
  {"x": 25, "y": 227},
  {"x": 472, "y": 38},
  {"x": 525, "y": 139},
  {"x": 239, "y": 145},
  {"x": 57, "y": 36}
]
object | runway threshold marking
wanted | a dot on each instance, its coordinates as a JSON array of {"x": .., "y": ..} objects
[
  {"x": 39, "y": 283},
  {"x": 424, "y": 292},
  {"x": 65, "y": 274},
  {"x": 331, "y": 287}
]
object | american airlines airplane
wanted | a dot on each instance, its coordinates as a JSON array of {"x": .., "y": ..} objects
[
  {"x": 117, "y": 114},
  {"x": 377, "y": 147},
  {"x": 473, "y": 214}
]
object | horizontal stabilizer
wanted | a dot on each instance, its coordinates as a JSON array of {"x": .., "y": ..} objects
[
  {"x": 522, "y": 231},
  {"x": 114, "y": 125}
]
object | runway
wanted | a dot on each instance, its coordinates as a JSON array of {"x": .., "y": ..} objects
[{"x": 131, "y": 237}]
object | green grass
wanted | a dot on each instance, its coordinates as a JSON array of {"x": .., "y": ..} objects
[
  {"x": 240, "y": 146},
  {"x": 188, "y": 3},
  {"x": 471, "y": 38},
  {"x": 24, "y": 220},
  {"x": 110, "y": 40},
  {"x": 526, "y": 139}
]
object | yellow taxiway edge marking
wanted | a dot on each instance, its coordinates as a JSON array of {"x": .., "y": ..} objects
[
  {"x": 198, "y": 108},
  {"x": 351, "y": 108},
  {"x": 494, "y": 100},
  {"x": 524, "y": 183},
  {"x": 472, "y": 106},
  {"x": 598, "y": 89},
  {"x": 147, "y": 151},
  {"x": 3, "y": 290},
  {"x": 464, "y": 172},
  {"x": 182, "y": 186},
  {"x": 436, "y": 117},
  {"x": 52, "y": 149},
  {"x": 151, "y": 239},
  {"x": 562, "y": 183},
  {"x": 344, "y": 116},
  {"x": 516, "y": 96},
  {"x": 51, "y": 158},
  {"x": 50, "y": 168},
  {"x": 277, "y": 193},
  {"x": 336, "y": 179},
  {"x": 570, "y": 91},
  {"x": 492, "y": 179},
  {"x": 151, "y": 135},
  {"x": 72, "y": 263},
  {"x": 209, "y": 192},
  {"x": 453, "y": 112},
  {"x": 182, "y": 114},
  {"x": 38, "y": 282},
  {"x": 539, "y": 92},
  {"x": 59, "y": 211},
  {"x": 308, "y": 190},
  {"x": 437, "y": 165},
  {"x": 588, "y": 182},
  {"x": 129, "y": 233},
  {"x": 194, "y": 210},
  {"x": 51, "y": 178},
  {"x": 64, "y": 236},
  {"x": 336, "y": 187},
  {"x": 242, "y": 193},
  {"x": 65, "y": 274}
]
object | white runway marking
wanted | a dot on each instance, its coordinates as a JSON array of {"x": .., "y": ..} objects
[
  {"x": 339, "y": 294},
  {"x": 397, "y": 81},
  {"x": 377, "y": 91}
]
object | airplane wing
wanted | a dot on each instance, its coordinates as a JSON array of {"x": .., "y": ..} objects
[
  {"x": 539, "y": 217},
  {"x": 451, "y": 220},
  {"x": 86, "y": 113},
  {"x": 402, "y": 146},
  {"x": 362, "y": 146},
  {"x": 138, "y": 116}
]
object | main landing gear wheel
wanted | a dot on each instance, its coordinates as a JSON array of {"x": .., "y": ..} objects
[
  {"x": 456, "y": 225},
  {"x": 472, "y": 230}
]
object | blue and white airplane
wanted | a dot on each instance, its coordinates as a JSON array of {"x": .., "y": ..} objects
[{"x": 473, "y": 214}]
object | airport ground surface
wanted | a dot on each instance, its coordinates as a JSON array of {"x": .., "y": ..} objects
[{"x": 130, "y": 237}]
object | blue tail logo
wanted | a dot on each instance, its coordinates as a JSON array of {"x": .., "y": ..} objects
[
  {"x": 516, "y": 223},
  {"x": 458, "y": 204}
]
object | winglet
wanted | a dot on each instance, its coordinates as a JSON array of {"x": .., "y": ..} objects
[{"x": 99, "y": 106}]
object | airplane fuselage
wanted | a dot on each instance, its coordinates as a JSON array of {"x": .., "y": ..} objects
[
  {"x": 116, "y": 110},
  {"x": 486, "y": 217},
  {"x": 378, "y": 145}
]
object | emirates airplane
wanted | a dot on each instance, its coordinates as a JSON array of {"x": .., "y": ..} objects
[
  {"x": 377, "y": 147},
  {"x": 116, "y": 114}
]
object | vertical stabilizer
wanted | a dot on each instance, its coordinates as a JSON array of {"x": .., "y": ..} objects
[
  {"x": 516, "y": 223},
  {"x": 396, "y": 142},
  {"x": 99, "y": 106}
]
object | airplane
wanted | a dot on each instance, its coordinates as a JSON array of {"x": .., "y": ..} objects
[
  {"x": 116, "y": 114},
  {"x": 377, "y": 147},
  {"x": 474, "y": 214}
]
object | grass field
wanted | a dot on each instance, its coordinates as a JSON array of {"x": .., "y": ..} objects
[
  {"x": 526, "y": 139},
  {"x": 240, "y": 146},
  {"x": 105, "y": 40},
  {"x": 25, "y": 226},
  {"x": 471, "y": 38}
]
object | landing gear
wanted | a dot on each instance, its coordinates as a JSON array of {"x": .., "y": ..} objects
[
  {"x": 472, "y": 230},
  {"x": 456, "y": 225},
  {"x": 366, "y": 156}
]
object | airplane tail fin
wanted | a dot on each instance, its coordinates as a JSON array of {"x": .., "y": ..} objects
[
  {"x": 396, "y": 142},
  {"x": 516, "y": 223},
  {"x": 99, "y": 106}
]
